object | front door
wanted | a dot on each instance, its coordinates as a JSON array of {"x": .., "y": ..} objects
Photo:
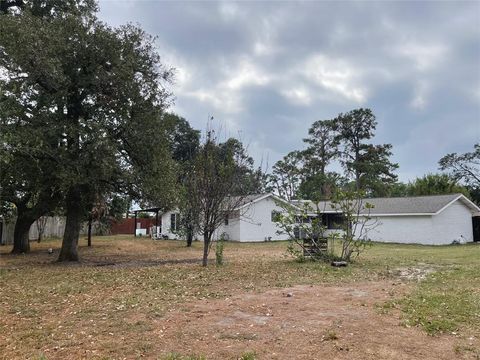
[{"x": 476, "y": 228}]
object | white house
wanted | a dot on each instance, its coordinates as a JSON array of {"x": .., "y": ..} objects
[
  {"x": 427, "y": 220},
  {"x": 254, "y": 220},
  {"x": 251, "y": 221}
]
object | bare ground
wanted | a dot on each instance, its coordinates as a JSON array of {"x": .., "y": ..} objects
[
  {"x": 303, "y": 322},
  {"x": 140, "y": 299}
]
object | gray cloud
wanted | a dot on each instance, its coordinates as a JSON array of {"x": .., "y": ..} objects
[{"x": 267, "y": 70}]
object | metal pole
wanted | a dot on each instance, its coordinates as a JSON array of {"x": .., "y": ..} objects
[
  {"x": 89, "y": 236},
  {"x": 135, "y": 224}
]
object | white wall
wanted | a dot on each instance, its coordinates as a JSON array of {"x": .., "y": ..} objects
[
  {"x": 439, "y": 229},
  {"x": 454, "y": 221},
  {"x": 255, "y": 223},
  {"x": 7, "y": 232},
  {"x": 232, "y": 230},
  {"x": 403, "y": 229},
  {"x": 54, "y": 227},
  {"x": 166, "y": 225}
]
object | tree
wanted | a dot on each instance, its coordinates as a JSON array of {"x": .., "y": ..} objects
[
  {"x": 183, "y": 140},
  {"x": 318, "y": 187},
  {"x": 465, "y": 168},
  {"x": 250, "y": 180},
  {"x": 48, "y": 8},
  {"x": 357, "y": 222},
  {"x": 287, "y": 175},
  {"x": 306, "y": 230},
  {"x": 28, "y": 172},
  {"x": 322, "y": 146},
  {"x": 321, "y": 151},
  {"x": 398, "y": 189},
  {"x": 368, "y": 163},
  {"x": 214, "y": 177},
  {"x": 305, "y": 226},
  {"x": 435, "y": 184},
  {"x": 101, "y": 88},
  {"x": 27, "y": 177},
  {"x": 184, "y": 144}
]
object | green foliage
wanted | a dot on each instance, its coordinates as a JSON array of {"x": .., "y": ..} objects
[
  {"x": 356, "y": 225},
  {"x": 444, "y": 301},
  {"x": 249, "y": 355},
  {"x": 398, "y": 189},
  {"x": 323, "y": 142},
  {"x": 144, "y": 215},
  {"x": 368, "y": 163},
  {"x": 464, "y": 167},
  {"x": 7, "y": 210},
  {"x": 81, "y": 110},
  {"x": 435, "y": 184},
  {"x": 249, "y": 180},
  {"x": 118, "y": 206},
  {"x": 184, "y": 141},
  {"x": 318, "y": 187},
  {"x": 346, "y": 138},
  {"x": 287, "y": 175},
  {"x": 50, "y": 9},
  {"x": 300, "y": 224}
]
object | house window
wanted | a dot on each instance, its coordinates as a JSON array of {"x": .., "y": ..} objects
[
  {"x": 275, "y": 216},
  {"x": 226, "y": 220},
  {"x": 173, "y": 222},
  {"x": 335, "y": 221}
]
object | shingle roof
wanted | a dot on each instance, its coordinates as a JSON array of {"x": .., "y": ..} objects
[
  {"x": 240, "y": 201},
  {"x": 406, "y": 205}
]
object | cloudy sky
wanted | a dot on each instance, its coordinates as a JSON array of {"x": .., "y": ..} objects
[{"x": 267, "y": 70}]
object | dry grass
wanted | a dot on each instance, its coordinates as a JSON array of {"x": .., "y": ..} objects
[{"x": 104, "y": 307}]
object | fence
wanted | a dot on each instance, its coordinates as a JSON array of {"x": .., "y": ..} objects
[{"x": 54, "y": 227}]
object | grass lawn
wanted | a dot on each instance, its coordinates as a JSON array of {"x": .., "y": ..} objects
[{"x": 117, "y": 302}]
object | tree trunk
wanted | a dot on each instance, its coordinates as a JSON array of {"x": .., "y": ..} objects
[
  {"x": 39, "y": 240},
  {"x": 21, "y": 243},
  {"x": 72, "y": 227},
  {"x": 206, "y": 243},
  {"x": 89, "y": 236},
  {"x": 189, "y": 237}
]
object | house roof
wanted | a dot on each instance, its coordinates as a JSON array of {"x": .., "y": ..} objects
[
  {"x": 251, "y": 199},
  {"x": 247, "y": 199},
  {"x": 397, "y": 206}
]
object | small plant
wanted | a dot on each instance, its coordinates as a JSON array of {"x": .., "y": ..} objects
[
  {"x": 219, "y": 250},
  {"x": 249, "y": 355},
  {"x": 356, "y": 224},
  {"x": 330, "y": 335},
  {"x": 305, "y": 230}
]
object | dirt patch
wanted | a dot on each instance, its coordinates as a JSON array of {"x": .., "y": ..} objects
[
  {"x": 413, "y": 273},
  {"x": 303, "y": 322}
]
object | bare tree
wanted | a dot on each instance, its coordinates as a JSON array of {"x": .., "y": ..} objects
[
  {"x": 214, "y": 189},
  {"x": 357, "y": 222},
  {"x": 306, "y": 227},
  {"x": 464, "y": 167}
]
